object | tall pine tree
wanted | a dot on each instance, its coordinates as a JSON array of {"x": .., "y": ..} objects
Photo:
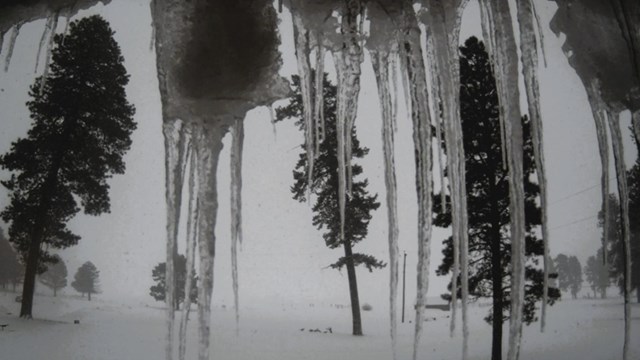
[
  {"x": 359, "y": 204},
  {"x": 488, "y": 199},
  {"x": 82, "y": 125}
]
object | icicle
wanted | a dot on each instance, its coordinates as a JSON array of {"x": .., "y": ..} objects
[
  {"x": 272, "y": 115},
  {"x": 175, "y": 151},
  {"x": 438, "y": 126},
  {"x": 191, "y": 243},
  {"x": 635, "y": 123},
  {"x": 380, "y": 62},
  {"x": 405, "y": 85},
  {"x": 393, "y": 65},
  {"x": 208, "y": 144},
  {"x": 598, "y": 109},
  {"x": 444, "y": 27},
  {"x": 47, "y": 59},
  {"x": 413, "y": 65},
  {"x": 12, "y": 43},
  {"x": 347, "y": 59},
  {"x": 623, "y": 193},
  {"x": 540, "y": 31},
  {"x": 152, "y": 38},
  {"x": 490, "y": 42},
  {"x": 47, "y": 28},
  {"x": 528, "y": 48},
  {"x": 302, "y": 44},
  {"x": 319, "y": 94},
  {"x": 236, "y": 208},
  {"x": 497, "y": 20}
]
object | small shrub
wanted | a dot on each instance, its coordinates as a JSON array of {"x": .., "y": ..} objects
[{"x": 367, "y": 307}]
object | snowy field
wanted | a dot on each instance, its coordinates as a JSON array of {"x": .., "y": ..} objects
[{"x": 580, "y": 329}]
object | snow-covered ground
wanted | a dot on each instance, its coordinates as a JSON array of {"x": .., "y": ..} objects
[{"x": 109, "y": 330}]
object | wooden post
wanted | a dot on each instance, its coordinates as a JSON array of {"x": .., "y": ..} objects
[{"x": 404, "y": 270}]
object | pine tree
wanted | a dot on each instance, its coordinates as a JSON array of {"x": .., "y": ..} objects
[
  {"x": 11, "y": 270},
  {"x": 569, "y": 274},
  {"x": 82, "y": 124},
  {"x": 487, "y": 187},
  {"x": 158, "y": 274},
  {"x": 86, "y": 280},
  {"x": 55, "y": 277},
  {"x": 597, "y": 275},
  {"x": 359, "y": 203}
]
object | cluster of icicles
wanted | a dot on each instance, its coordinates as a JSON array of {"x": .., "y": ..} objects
[{"x": 426, "y": 66}]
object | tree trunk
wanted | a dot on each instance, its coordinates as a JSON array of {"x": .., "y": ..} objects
[
  {"x": 353, "y": 289},
  {"x": 638, "y": 294},
  {"x": 33, "y": 257},
  {"x": 89, "y": 295},
  {"x": 55, "y": 292}
]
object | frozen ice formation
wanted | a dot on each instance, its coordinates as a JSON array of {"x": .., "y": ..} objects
[{"x": 204, "y": 94}]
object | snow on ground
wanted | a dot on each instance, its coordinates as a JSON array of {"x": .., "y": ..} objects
[{"x": 110, "y": 330}]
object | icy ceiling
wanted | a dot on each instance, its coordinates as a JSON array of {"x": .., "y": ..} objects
[{"x": 218, "y": 59}]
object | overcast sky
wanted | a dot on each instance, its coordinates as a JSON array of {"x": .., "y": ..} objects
[{"x": 283, "y": 257}]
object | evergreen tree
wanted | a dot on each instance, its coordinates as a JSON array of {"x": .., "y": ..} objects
[
  {"x": 11, "y": 270},
  {"x": 597, "y": 275},
  {"x": 487, "y": 187},
  {"x": 359, "y": 204},
  {"x": 81, "y": 130},
  {"x": 55, "y": 277},
  {"x": 569, "y": 274},
  {"x": 86, "y": 280},
  {"x": 158, "y": 274}
]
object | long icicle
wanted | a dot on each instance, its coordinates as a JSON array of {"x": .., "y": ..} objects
[
  {"x": 208, "y": 145},
  {"x": 380, "y": 62},
  {"x": 302, "y": 45},
  {"x": 623, "y": 194},
  {"x": 43, "y": 38},
  {"x": 528, "y": 48},
  {"x": 236, "y": 208},
  {"x": 393, "y": 68},
  {"x": 12, "y": 44},
  {"x": 191, "y": 243},
  {"x": 319, "y": 94},
  {"x": 47, "y": 59},
  {"x": 505, "y": 66},
  {"x": 444, "y": 21},
  {"x": 347, "y": 60},
  {"x": 411, "y": 50},
  {"x": 175, "y": 148},
  {"x": 598, "y": 110},
  {"x": 487, "y": 18}
]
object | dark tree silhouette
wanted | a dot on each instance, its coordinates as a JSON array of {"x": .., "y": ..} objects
[
  {"x": 359, "y": 204},
  {"x": 55, "y": 277},
  {"x": 81, "y": 130},
  {"x": 597, "y": 275},
  {"x": 569, "y": 274},
  {"x": 86, "y": 280},
  {"x": 158, "y": 274},
  {"x": 11, "y": 270},
  {"x": 488, "y": 200}
]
